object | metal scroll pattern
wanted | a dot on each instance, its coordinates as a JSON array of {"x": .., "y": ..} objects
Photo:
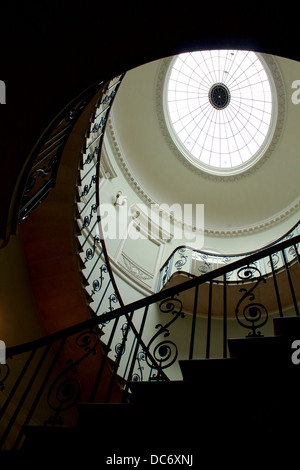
[
  {"x": 249, "y": 312},
  {"x": 65, "y": 391},
  {"x": 179, "y": 261},
  {"x": 201, "y": 262},
  {"x": 97, "y": 277},
  {"x": 162, "y": 349},
  {"x": 165, "y": 352},
  {"x": 183, "y": 258},
  {"x": 145, "y": 355},
  {"x": 46, "y": 158}
]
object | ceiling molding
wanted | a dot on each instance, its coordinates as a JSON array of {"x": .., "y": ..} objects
[
  {"x": 134, "y": 269},
  {"x": 130, "y": 278},
  {"x": 106, "y": 168},
  {"x": 115, "y": 147},
  {"x": 280, "y": 124},
  {"x": 261, "y": 226},
  {"x": 236, "y": 232}
]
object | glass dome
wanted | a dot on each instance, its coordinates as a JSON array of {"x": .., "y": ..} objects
[{"x": 221, "y": 108}]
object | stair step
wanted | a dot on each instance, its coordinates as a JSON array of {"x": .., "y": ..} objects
[
  {"x": 222, "y": 406},
  {"x": 287, "y": 326},
  {"x": 235, "y": 382},
  {"x": 274, "y": 350},
  {"x": 212, "y": 394},
  {"x": 142, "y": 428},
  {"x": 166, "y": 418},
  {"x": 158, "y": 392},
  {"x": 218, "y": 379},
  {"x": 201, "y": 370},
  {"x": 108, "y": 414},
  {"x": 42, "y": 438}
]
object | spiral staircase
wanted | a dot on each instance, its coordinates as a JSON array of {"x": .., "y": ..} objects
[{"x": 68, "y": 395}]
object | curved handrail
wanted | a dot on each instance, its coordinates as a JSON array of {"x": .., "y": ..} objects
[
  {"x": 212, "y": 257},
  {"x": 106, "y": 257},
  {"x": 45, "y": 156},
  {"x": 62, "y": 390},
  {"x": 144, "y": 356},
  {"x": 232, "y": 255},
  {"x": 93, "y": 240},
  {"x": 207, "y": 277},
  {"x": 152, "y": 299},
  {"x": 42, "y": 161},
  {"x": 90, "y": 166}
]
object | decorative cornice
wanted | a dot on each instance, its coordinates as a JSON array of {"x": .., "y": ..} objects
[
  {"x": 114, "y": 144},
  {"x": 280, "y": 122},
  {"x": 135, "y": 270},
  {"x": 106, "y": 169},
  {"x": 130, "y": 279},
  {"x": 115, "y": 147},
  {"x": 261, "y": 226}
]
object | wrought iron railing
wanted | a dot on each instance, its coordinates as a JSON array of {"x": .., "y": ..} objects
[
  {"x": 39, "y": 176},
  {"x": 98, "y": 276},
  {"x": 198, "y": 262},
  {"x": 96, "y": 361},
  {"x": 43, "y": 380}
]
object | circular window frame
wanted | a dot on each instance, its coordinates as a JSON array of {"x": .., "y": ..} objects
[{"x": 261, "y": 155}]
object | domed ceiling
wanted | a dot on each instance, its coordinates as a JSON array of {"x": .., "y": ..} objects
[{"x": 264, "y": 195}]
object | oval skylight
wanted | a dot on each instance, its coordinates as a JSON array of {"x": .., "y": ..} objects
[{"x": 221, "y": 108}]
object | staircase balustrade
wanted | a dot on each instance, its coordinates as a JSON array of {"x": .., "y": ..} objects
[
  {"x": 95, "y": 261},
  {"x": 43, "y": 381},
  {"x": 40, "y": 171},
  {"x": 30, "y": 380},
  {"x": 197, "y": 262}
]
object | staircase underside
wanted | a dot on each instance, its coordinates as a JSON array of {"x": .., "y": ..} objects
[{"x": 51, "y": 251}]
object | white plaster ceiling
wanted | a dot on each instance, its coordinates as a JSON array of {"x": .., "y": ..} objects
[{"x": 270, "y": 193}]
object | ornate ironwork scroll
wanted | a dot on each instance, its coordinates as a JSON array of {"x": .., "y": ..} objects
[
  {"x": 205, "y": 266},
  {"x": 165, "y": 352},
  {"x": 182, "y": 259},
  {"x": 139, "y": 376},
  {"x": 99, "y": 281},
  {"x": 65, "y": 391},
  {"x": 209, "y": 260},
  {"x": 164, "y": 277},
  {"x": 248, "y": 272},
  {"x": 46, "y": 157},
  {"x": 120, "y": 346},
  {"x": 250, "y": 313}
]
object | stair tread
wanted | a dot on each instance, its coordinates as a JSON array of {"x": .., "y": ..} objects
[
  {"x": 274, "y": 349},
  {"x": 287, "y": 326}
]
